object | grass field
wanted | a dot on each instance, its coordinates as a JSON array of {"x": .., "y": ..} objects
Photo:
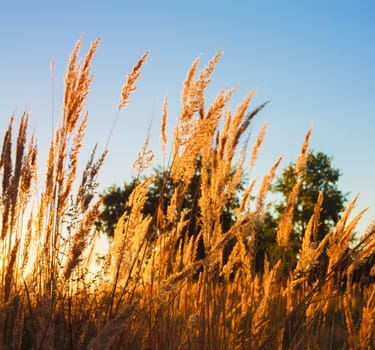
[{"x": 152, "y": 291}]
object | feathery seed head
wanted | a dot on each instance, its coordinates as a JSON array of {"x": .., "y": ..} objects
[{"x": 130, "y": 81}]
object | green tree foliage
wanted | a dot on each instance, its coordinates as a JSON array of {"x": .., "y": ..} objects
[
  {"x": 319, "y": 176},
  {"x": 159, "y": 193},
  {"x": 114, "y": 201}
]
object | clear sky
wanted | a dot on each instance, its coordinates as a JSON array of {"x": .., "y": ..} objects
[{"x": 314, "y": 60}]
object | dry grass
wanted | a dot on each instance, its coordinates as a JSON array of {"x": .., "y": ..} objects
[{"x": 153, "y": 292}]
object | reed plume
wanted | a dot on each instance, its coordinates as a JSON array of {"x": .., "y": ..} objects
[{"x": 130, "y": 81}]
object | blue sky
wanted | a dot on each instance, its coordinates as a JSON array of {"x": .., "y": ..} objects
[{"x": 314, "y": 61}]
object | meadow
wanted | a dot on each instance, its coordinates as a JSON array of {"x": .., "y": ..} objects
[{"x": 152, "y": 290}]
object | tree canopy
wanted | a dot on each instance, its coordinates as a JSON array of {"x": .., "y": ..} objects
[
  {"x": 114, "y": 201},
  {"x": 318, "y": 176}
]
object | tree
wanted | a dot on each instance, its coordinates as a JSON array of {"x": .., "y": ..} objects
[
  {"x": 113, "y": 206},
  {"x": 159, "y": 193},
  {"x": 319, "y": 176},
  {"x": 161, "y": 189}
]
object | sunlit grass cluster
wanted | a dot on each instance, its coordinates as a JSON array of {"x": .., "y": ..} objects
[{"x": 152, "y": 290}]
